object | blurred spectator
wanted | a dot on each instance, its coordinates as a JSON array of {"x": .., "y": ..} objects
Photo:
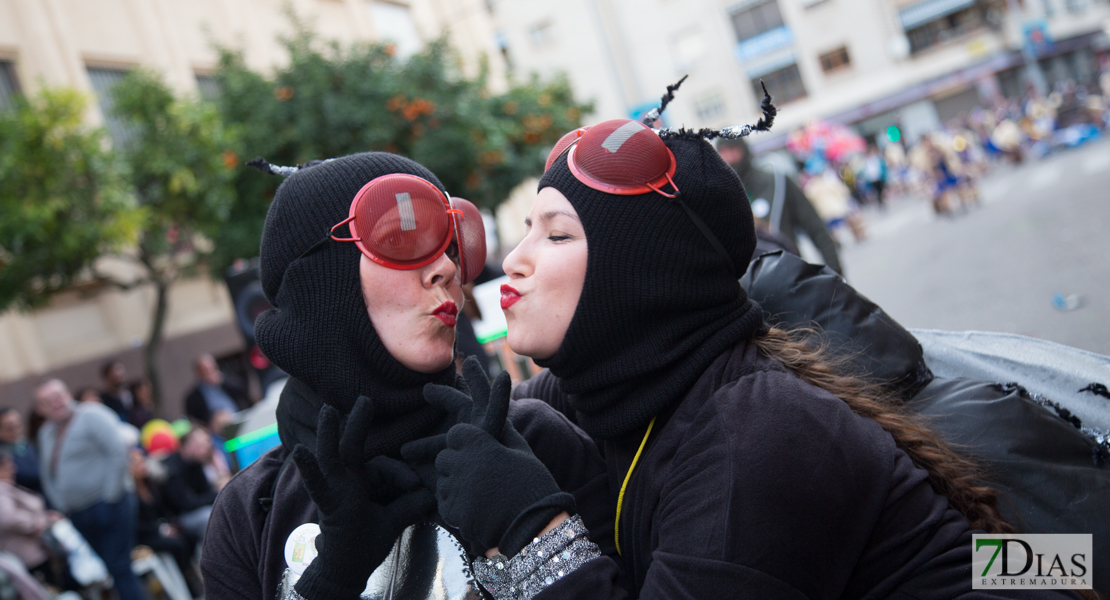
[
  {"x": 143, "y": 410},
  {"x": 24, "y": 455},
  {"x": 23, "y": 518},
  {"x": 215, "y": 393},
  {"x": 155, "y": 530},
  {"x": 115, "y": 394},
  {"x": 189, "y": 489},
  {"x": 88, "y": 394},
  {"x": 875, "y": 174},
  {"x": 832, "y": 199},
  {"x": 85, "y": 474},
  {"x": 787, "y": 208}
]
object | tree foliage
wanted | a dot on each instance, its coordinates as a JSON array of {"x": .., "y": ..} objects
[
  {"x": 181, "y": 162},
  {"x": 332, "y": 100},
  {"x": 63, "y": 197}
]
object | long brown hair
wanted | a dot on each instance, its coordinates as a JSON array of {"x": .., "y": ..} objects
[{"x": 804, "y": 352}]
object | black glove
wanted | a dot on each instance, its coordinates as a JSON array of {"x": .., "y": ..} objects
[
  {"x": 365, "y": 505},
  {"x": 491, "y": 487}
]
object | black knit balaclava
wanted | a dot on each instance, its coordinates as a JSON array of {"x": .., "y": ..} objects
[
  {"x": 319, "y": 330},
  {"x": 658, "y": 304}
]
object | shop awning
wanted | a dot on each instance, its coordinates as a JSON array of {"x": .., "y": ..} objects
[{"x": 930, "y": 10}]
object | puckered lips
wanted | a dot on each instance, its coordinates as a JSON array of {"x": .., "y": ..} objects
[
  {"x": 509, "y": 296},
  {"x": 446, "y": 312}
]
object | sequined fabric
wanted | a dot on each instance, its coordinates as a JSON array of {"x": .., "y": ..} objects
[{"x": 543, "y": 562}]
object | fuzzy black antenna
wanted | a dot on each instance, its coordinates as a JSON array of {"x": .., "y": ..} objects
[
  {"x": 263, "y": 165},
  {"x": 654, "y": 113},
  {"x": 730, "y": 133}
]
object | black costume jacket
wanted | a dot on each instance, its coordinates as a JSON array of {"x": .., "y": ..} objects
[
  {"x": 243, "y": 556},
  {"x": 759, "y": 485}
]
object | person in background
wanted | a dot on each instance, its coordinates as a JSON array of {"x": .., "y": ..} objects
[
  {"x": 188, "y": 492},
  {"x": 24, "y": 456},
  {"x": 785, "y": 207},
  {"x": 88, "y": 394},
  {"x": 85, "y": 476},
  {"x": 116, "y": 395},
  {"x": 23, "y": 517},
  {"x": 155, "y": 529},
  {"x": 875, "y": 174},
  {"x": 214, "y": 393},
  {"x": 143, "y": 410}
]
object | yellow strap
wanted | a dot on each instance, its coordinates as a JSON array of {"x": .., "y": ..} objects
[{"x": 620, "y": 497}]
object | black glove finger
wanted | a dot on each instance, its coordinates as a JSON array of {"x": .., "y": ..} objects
[
  {"x": 449, "y": 399},
  {"x": 512, "y": 439},
  {"x": 498, "y": 406},
  {"x": 465, "y": 436},
  {"x": 314, "y": 480},
  {"x": 356, "y": 431},
  {"x": 424, "y": 450},
  {"x": 445, "y": 463},
  {"x": 393, "y": 474},
  {"x": 478, "y": 382},
  {"x": 413, "y": 507},
  {"x": 328, "y": 428}
]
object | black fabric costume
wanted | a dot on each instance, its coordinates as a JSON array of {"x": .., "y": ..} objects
[
  {"x": 320, "y": 333},
  {"x": 753, "y": 483}
]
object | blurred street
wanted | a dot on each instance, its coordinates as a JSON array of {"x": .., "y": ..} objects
[{"x": 1040, "y": 231}]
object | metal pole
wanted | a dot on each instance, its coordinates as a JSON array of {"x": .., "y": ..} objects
[{"x": 1032, "y": 66}]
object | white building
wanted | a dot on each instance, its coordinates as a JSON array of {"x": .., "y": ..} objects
[{"x": 872, "y": 63}]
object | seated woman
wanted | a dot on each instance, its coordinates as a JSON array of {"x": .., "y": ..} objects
[
  {"x": 361, "y": 328},
  {"x": 740, "y": 463}
]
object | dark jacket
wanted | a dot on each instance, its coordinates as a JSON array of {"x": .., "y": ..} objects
[
  {"x": 197, "y": 408},
  {"x": 797, "y": 212},
  {"x": 186, "y": 487},
  {"x": 758, "y": 485},
  {"x": 243, "y": 556}
]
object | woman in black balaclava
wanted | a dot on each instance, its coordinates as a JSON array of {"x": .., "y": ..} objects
[
  {"x": 740, "y": 464},
  {"x": 361, "y": 324}
]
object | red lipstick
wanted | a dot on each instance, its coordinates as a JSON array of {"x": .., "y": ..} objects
[
  {"x": 446, "y": 312},
  {"x": 509, "y": 296}
]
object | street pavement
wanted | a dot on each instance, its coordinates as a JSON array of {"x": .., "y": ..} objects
[{"x": 1043, "y": 229}]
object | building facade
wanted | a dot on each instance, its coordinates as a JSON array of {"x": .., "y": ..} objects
[
  {"x": 869, "y": 63},
  {"x": 90, "y": 46}
]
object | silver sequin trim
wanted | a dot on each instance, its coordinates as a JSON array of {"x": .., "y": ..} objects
[{"x": 540, "y": 564}]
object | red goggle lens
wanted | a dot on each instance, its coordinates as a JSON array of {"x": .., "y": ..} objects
[
  {"x": 620, "y": 156},
  {"x": 405, "y": 222}
]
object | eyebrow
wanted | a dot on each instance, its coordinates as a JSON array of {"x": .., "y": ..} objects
[{"x": 547, "y": 216}]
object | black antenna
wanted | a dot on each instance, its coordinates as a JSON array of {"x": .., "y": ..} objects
[
  {"x": 730, "y": 133},
  {"x": 263, "y": 165},
  {"x": 654, "y": 113}
]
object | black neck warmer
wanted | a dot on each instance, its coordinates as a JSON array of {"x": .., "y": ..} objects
[
  {"x": 659, "y": 304},
  {"x": 319, "y": 331}
]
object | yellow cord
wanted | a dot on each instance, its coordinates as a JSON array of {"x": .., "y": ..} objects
[{"x": 620, "y": 497}]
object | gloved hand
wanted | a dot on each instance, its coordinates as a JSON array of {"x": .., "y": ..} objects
[
  {"x": 365, "y": 504},
  {"x": 491, "y": 487}
]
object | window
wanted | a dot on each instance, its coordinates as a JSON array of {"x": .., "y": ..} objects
[
  {"x": 755, "y": 19},
  {"x": 709, "y": 106},
  {"x": 9, "y": 86},
  {"x": 394, "y": 23},
  {"x": 542, "y": 34},
  {"x": 835, "y": 60},
  {"x": 103, "y": 80},
  {"x": 1076, "y": 6},
  {"x": 208, "y": 87},
  {"x": 934, "y": 22},
  {"x": 784, "y": 84}
]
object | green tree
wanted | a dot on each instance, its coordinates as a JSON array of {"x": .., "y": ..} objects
[
  {"x": 331, "y": 100},
  {"x": 181, "y": 161},
  {"x": 63, "y": 198}
]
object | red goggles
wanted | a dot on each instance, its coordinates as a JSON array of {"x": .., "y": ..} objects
[
  {"x": 405, "y": 222},
  {"x": 621, "y": 156}
]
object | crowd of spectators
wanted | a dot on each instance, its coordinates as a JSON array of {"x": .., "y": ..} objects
[{"x": 122, "y": 477}]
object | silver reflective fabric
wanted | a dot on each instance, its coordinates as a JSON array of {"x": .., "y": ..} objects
[
  {"x": 1052, "y": 370},
  {"x": 426, "y": 563}
]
